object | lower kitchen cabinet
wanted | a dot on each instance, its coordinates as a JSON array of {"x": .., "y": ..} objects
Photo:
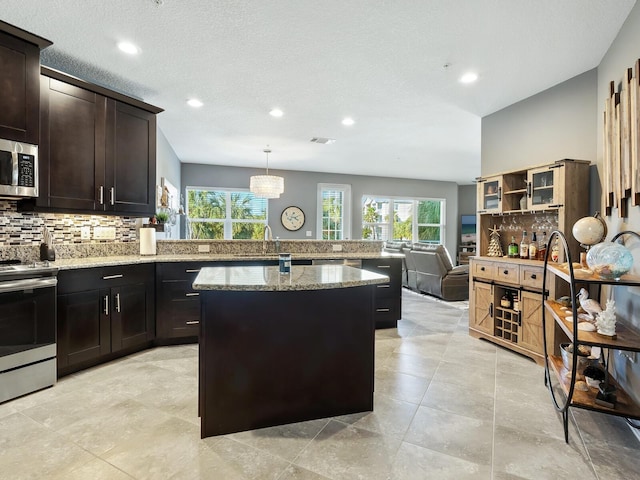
[
  {"x": 103, "y": 312},
  {"x": 388, "y": 297},
  {"x": 178, "y": 305}
]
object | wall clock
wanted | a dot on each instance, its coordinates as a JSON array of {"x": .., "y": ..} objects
[{"x": 292, "y": 218}]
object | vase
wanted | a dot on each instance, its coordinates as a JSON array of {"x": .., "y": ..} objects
[{"x": 609, "y": 260}]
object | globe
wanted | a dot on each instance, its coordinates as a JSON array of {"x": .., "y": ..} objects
[
  {"x": 589, "y": 230},
  {"x": 609, "y": 260}
]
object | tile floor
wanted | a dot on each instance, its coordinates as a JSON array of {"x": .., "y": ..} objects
[{"x": 447, "y": 406}]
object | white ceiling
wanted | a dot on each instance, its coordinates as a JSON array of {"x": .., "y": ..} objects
[{"x": 378, "y": 61}]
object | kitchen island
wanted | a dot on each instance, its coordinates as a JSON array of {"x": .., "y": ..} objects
[{"x": 281, "y": 348}]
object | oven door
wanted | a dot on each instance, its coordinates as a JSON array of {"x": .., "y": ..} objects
[{"x": 27, "y": 336}]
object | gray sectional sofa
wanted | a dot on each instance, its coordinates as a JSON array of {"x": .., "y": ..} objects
[{"x": 428, "y": 269}]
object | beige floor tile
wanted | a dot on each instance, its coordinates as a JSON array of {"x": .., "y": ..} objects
[
  {"x": 462, "y": 437},
  {"x": 539, "y": 457},
  {"x": 400, "y": 386},
  {"x": 453, "y": 398},
  {"x": 294, "y": 472},
  {"x": 284, "y": 441},
  {"x": 417, "y": 463},
  {"x": 95, "y": 469},
  {"x": 411, "y": 364},
  {"x": 478, "y": 379},
  {"x": 344, "y": 452},
  {"x": 389, "y": 416}
]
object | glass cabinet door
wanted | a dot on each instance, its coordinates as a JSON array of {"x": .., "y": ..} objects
[
  {"x": 542, "y": 190},
  {"x": 490, "y": 195}
]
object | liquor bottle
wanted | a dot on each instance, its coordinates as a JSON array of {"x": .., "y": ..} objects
[
  {"x": 506, "y": 301},
  {"x": 542, "y": 246},
  {"x": 555, "y": 251},
  {"x": 524, "y": 246},
  {"x": 512, "y": 248},
  {"x": 533, "y": 247}
]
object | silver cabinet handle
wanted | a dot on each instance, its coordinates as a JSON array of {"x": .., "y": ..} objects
[
  {"x": 194, "y": 294},
  {"x": 101, "y": 195},
  {"x": 383, "y": 286},
  {"x": 383, "y": 309},
  {"x": 112, "y": 195},
  {"x": 118, "y": 302},
  {"x": 195, "y": 270},
  {"x": 111, "y": 277},
  {"x": 106, "y": 304},
  {"x": 193, "y": 322},
  {"x": 384, "y": 266}
]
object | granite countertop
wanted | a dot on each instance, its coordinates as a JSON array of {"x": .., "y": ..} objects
[
  {"x": 90, "y": 262},
  {"x": 301, "y": 277}
]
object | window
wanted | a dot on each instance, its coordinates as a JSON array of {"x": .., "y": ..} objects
[
  {"x": 408, "y": 219},
  {"x": 334, "y": 211},
  {"x": 223, "y": 214}
]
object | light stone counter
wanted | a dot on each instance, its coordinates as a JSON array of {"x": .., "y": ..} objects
[
  {"x": 301, "y": 277},
  {"x": 107, "y": 261}
]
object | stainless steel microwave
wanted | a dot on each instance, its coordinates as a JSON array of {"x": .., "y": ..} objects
[{"x": 18, "y": 169}]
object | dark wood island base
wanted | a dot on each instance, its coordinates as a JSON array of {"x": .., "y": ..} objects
[{"x": 274, "y": 357}]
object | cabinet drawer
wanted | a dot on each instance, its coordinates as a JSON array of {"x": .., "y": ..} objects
[
  {"x": 508, "y": 273},
  {"x": 531, "y": 277},
  {"x": 483, "y": 269}
]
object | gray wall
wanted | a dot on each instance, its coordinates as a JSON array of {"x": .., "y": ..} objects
[
  {"x": 554, "y": 124},
  {"x": 622, "y": 54},
  {"x": 467, "y": 199},
  {"x": 168, "y": 166},
  {"x": 300, "y": 188}
]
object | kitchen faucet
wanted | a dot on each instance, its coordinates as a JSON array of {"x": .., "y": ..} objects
[{"x": 267, "y": 236}]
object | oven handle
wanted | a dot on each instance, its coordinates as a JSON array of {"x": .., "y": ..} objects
[{"x": 27, "y": 284}]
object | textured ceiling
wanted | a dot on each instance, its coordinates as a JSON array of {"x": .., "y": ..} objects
[{"x": 378, "y": 61}]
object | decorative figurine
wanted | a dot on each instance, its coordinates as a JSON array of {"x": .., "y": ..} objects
[
  {"x": 495, "y": 248},
  {"x": 588, "y": 304},
  {"x": 606, "y": 320}
]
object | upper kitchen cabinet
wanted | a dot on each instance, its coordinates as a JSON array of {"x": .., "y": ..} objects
[
  {"x": 19, "y": 81},
  {"x": 490, "y": 194},
  {"x": 97, "y": 150}
]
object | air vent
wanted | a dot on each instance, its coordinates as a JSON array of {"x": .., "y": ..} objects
[{"x": 323, "y": 140}]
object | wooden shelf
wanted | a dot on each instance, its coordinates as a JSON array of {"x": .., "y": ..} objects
[
  {"x": 626, "y": 339},
  {"x": 586, "y": 276},
  {"x": 624, "y": 406},
  {"x": 516, "y": 192}
]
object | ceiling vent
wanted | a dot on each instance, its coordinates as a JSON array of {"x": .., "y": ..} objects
[{"x": 323, "y": 140}]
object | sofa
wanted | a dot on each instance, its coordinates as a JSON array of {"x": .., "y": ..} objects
[{"x": 428, "y": 269}]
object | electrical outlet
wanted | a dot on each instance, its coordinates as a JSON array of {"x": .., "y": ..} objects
[
  {"x": 204, "y": 248},
  {"x": 336, "y": 247},
  {"x": 309, "y": 233},
  {"x": 104, "y": 233},
  {"x": 85, "y": 233}
]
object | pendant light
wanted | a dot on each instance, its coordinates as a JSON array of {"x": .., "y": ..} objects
[{"x": 266, "y": 186}]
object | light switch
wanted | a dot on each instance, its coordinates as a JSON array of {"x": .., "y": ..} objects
[{"x": 309, "y": 233}]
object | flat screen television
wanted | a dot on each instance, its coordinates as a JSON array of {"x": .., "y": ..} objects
[{"x": 467, "y": 229}]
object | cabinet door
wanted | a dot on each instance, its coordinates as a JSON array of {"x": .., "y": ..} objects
[
  {"x": 531, "y": 330},
  {"x": 20, "y": 98},
  {"x": 543, "y": 188},
  {"x": 178, "y": 307},
  {"x": 83, "y": 327},
  {"x": 482, "y": 302},
  {"x": 490, "y": 195},
  {"x": 131, "y": 159},
  {"x": 72, "y": 151},
  {"x": 131, "y": 323}
]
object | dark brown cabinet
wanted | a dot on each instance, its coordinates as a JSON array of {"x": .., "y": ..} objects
[
  {"x": 97, "y": 153},
  {"x": 20, "y": 79},
  {"x": 103, "y": 311},
  {"x": 388, "y": 297},
  {"x": 178, "y": 305}
]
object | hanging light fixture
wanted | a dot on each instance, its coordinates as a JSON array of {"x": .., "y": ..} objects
[{"x": 266, "y": 186}]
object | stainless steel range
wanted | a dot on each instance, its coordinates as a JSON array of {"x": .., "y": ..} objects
[{"x": 27, "y": 328}]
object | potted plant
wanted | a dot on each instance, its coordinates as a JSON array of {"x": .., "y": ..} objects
[{"x": 162, "y": 217}]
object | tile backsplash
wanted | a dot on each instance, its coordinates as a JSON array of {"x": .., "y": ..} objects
[{"x": 25, "y": 228}]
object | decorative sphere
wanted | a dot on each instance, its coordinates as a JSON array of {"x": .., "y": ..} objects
[
  {"x": 589, "y": 230},
  {"x": 609, "y": 260}
]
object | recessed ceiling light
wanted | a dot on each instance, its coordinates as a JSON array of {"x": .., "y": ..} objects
[
  {"x": 469, "y": 77},
  {"x": 348, "y": 121},
  {"x": 194, "y": 102},
  {"x": 128, "y": 47},
  {"x": 276, "y": 112}
]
